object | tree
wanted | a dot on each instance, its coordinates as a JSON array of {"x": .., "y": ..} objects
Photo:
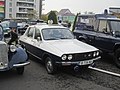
[
  {"x": 32, "y": 14},
  {"x": 44, "y": 17},
  {"x": 52, "y": 16}
]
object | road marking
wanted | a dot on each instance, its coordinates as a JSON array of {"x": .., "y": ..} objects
[{"x": 104, "y": 71}]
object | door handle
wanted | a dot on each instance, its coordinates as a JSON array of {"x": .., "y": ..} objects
[{"x": 32, "y": 41}]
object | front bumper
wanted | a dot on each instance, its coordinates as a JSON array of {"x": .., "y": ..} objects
[
  {"x": 21, "y": 64},
  {"x": 6, "y": 68},
  {"x": 78, "y": 62}
]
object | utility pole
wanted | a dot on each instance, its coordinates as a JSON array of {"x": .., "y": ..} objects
[{"x": 40, "y": 9}]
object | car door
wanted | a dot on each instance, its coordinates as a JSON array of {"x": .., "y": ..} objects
[
  {"x": 28, "y": 39},
  {"x": 103, "y": 39},
  {"x": 36, "y": 43}
]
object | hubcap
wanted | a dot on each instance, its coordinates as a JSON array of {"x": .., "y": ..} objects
[{"x": 49, "y": 66}]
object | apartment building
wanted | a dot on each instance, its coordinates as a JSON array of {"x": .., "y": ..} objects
[
  {"x": 2, "y": 9},
  {"x": 22, "y": 9}
]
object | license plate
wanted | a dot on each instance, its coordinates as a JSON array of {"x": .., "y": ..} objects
[{"x": 86, "y": 62}]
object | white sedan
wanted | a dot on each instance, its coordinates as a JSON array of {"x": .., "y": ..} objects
[{"x": 56, "y": 46}]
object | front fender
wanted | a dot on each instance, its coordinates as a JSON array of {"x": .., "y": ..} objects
[{"x": 19, "y": 57}]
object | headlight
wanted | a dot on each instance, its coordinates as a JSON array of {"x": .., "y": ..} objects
[
  {"x": 70, "y": 57},
  {"x": 13, "y": 48},
  {"x": 3, "y": 64},
  {"x": 97, "y": 53},
  {"x": 64, "y": 57},
  {"x": 94, "y": 54}
]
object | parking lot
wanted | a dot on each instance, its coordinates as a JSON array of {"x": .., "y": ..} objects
[{"x": 36, "y": 77}]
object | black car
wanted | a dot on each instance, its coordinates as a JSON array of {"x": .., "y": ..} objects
[{"x": 101, "y": 31}]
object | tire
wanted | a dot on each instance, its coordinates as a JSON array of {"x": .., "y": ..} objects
[
  {"x": 20, "y": 70},
  {"x": 117, "y": 58},
  {"x": 50, "y": 66}
]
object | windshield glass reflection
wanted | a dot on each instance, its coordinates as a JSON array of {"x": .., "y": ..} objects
[{"x": 56, "y": 33}]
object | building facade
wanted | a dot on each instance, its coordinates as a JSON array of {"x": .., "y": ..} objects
[
  {"x": 2, "y": 9},
  {"x": 22, "y": 9},
  {"x": 65, "y": 15}
]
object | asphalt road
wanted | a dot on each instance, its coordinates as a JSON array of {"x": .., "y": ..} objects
[{"x": 35, "y": 77}]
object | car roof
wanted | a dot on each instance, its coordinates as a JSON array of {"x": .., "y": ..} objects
[
  {"x": 109, "y": 19},
  {"x": 43, "y": 26}
]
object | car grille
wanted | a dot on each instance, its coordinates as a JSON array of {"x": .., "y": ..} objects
[
  {"x": 83, "y": 56},
  {"x": 3, "y": 53}
]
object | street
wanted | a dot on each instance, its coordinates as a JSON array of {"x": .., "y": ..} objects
[{"x": 35, "y": 77}]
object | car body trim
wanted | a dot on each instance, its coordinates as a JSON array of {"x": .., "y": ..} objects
[
  {"x": 34, "y": 55},
  {"x": 77, "y": 62},
  {"x": 21, "y": 64}
]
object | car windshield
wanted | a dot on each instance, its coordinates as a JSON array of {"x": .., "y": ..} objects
[
  {"x": 115, "y": 25},
  {"x": 57, "y": 33}
]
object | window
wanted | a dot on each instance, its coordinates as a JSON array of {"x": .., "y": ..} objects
[
  {"x": 10, "y": 9},
  {"x": 37, "y": 33},
  {"x": 104, "y": 27},
  {"x": 10, "y": 15},
  {"x": 10, "y": 4},
  {"x": 56, "y": 34},
  {"x": 30, "y": 32}
]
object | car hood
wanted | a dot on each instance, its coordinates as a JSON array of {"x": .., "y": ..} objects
[{"x": 70, "y": 46}]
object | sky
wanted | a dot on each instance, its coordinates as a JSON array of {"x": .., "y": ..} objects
[{"x": 76, "y": 6}]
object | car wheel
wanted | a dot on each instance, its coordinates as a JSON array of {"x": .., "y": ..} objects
[
  {"x": 20, "y": 70},
  {"x": 50, "y": 66},
  {"x": 117, "y": 57}
]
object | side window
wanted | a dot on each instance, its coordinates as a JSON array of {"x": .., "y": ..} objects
[
  {"x": 37, "y": 33},
  {"x": 104, "y": 26},
  {"x": 85, "y": 23},
  {"x": 30, "y": 32}
]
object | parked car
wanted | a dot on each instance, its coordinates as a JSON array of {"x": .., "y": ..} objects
[
  {"x": 22, "y": 27},
  {"x": 6, "y": 28},
  {"x": 101, "y": 31},
  {"x": 56, "y": 46},
  {"x": 7, "y": 25},
  {"x": 12, "y": 56}
]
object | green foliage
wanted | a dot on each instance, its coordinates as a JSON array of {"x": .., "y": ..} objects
[
  {"x": 44, "y": 17},
  {"x": 52, "y": 16},
  {"x": 73, "y": 28},
  {"x": 33, "y": 15}
]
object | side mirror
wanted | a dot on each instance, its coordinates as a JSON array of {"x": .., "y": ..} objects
[{"x": 38, "y": 39}]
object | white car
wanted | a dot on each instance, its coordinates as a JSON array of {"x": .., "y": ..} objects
[{"x": 56, "y": 46}]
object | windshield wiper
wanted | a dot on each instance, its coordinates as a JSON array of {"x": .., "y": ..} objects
[
  {"x": 65, "y": 38},
  {"x": 52, "y": 39}
]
